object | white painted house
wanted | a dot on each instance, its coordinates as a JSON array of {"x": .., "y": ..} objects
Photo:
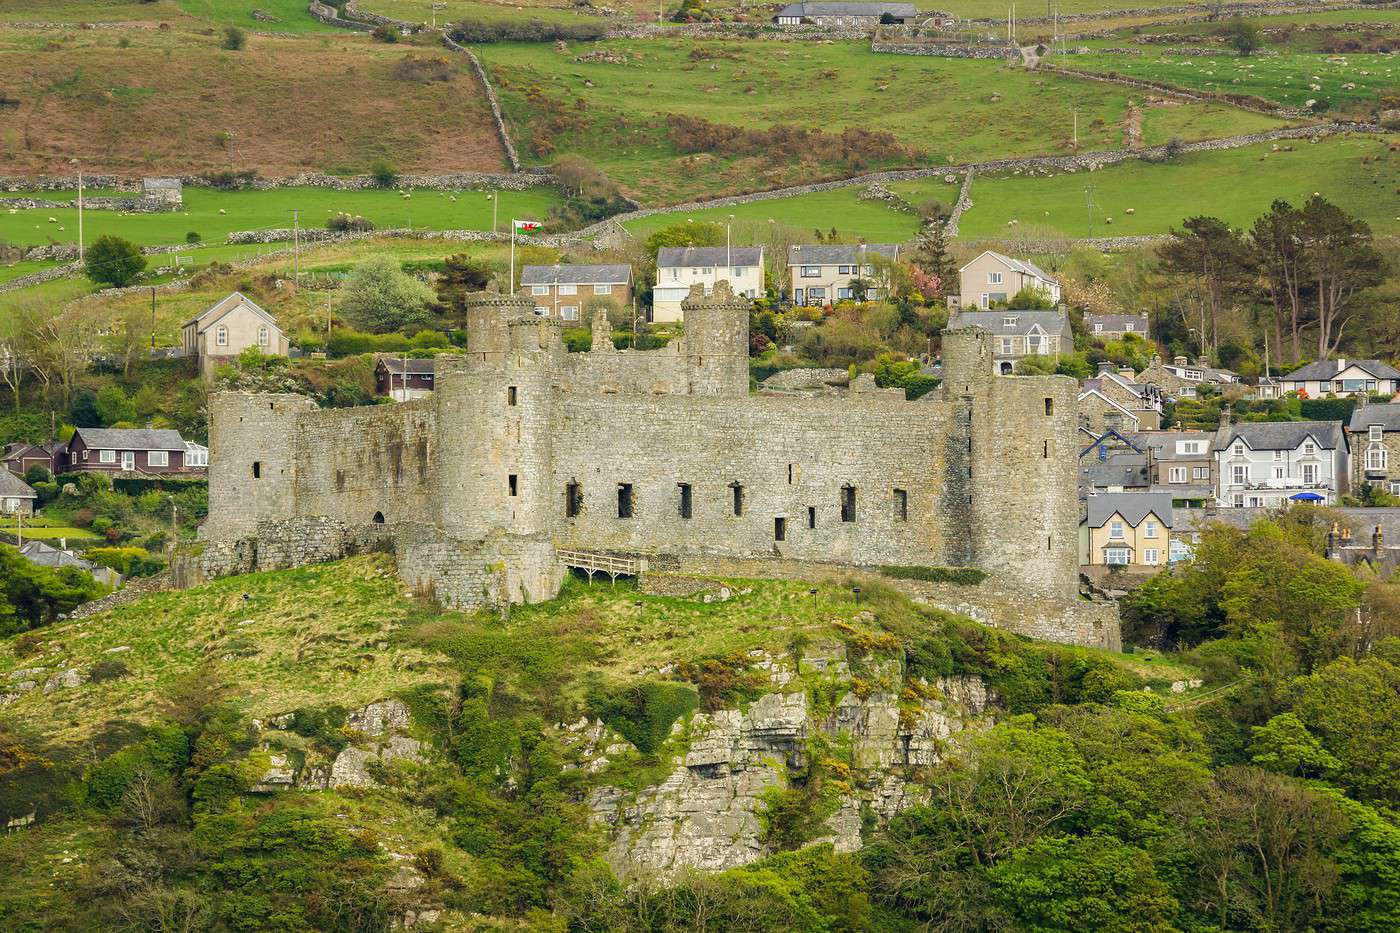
[
  {"x": 1272, "y": 463},
  {"x": 679, "y": 267},
  {"x": 1342, "y": 378}
]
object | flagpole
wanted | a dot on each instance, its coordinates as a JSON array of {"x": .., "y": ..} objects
[{"x": 512, "y": 255}]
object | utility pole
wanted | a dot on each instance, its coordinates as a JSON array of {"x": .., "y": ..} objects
[
  {"x": 296, "y": 245},
  {"x": 153, "y": 319},
  {"x": 80, "y": 208}
]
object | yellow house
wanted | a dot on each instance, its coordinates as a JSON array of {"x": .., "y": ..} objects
[
  {"x": 229, "y": 327},
  {"x": 1131, "y": 530}
]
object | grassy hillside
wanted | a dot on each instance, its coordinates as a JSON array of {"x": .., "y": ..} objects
[
  {"x": 142, "y": 101},
  {"x": 1357, "y": 173},
  {"x": 614, "y": 113}
]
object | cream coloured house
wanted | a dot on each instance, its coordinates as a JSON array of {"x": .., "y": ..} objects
[
  {"x": 229, "y": 327},
  {"x": 993, "y": 279},
  {"x": 1131, "y": 530},
  {"x": 828, "y": 274},
  {"x": 679, "y": 267}
]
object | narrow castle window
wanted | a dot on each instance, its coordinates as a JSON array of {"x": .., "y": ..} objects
[
  {"x": 789, "y": 474},
  {"x": 257, "y": 469},
  {"x": 738, "y": 492},
  {"x": 901, "y": 505},
  {"x": 1049, "y": 406},
  {"x": 811, "y": 516},
  {"x": 510, "y": 395},
  {"x": 339, "y": 480},
  {"x": 1045, "y": 450},
  {"x": 379, "y": 518},
  {"x": 686, "y": 509},
  {"x": 780, "y": 529},
  {"x": 514, "y": 482},
  {"x": 624, "y": 500},
  {"x": 848, "y": 503},
  {"x": 573, "y": 500}
]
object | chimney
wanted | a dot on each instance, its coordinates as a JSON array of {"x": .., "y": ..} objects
[
  {"x": 1105, "y": 366},
  {"x": 1226, "y": 416},
  {"x": 1203, "y": 361},
  {"x": 1127, "y": 373},
  {"x": 1179, "y": 360},
  {"x": 1341, "y": 364},
  {"x": 1377, "y": 539}
]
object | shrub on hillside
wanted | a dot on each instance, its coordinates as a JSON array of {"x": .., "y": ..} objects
[
  {"x": 385, "y": 33},
  {"x": 853, "y": 146},
  {"x": 526, "y": 31},
  {"x": 347, "y": 223},
  {"x": 642, "y": 712},
  {"x": 230, "y": 180},
  {"x": 380, "y": 297},
  {"x": 111, "y": 260},
  {"x": 384, "y": 173},
  {"x": 234, "y": 38},
  {"x": 423, "y": 70}
]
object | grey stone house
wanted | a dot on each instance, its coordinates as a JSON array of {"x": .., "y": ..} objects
[
  {"x": 1374, "y": 431},
  {"x": 1017, "y": 334},
  {"x": 16, "y": 496},
  {"x": 1115, "y": 326},
  {"x": 825, "y": 13}
]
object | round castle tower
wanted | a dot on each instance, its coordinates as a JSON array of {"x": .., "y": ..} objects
[{"x": 717, "y": 340}]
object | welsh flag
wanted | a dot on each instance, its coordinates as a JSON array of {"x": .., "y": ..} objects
[{"x": 527, "y": 227}]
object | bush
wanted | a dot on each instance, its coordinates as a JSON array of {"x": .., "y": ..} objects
[
  {"x": 384, "y": 173},
  {"x": 234, "y": 38},
  {"x": 192, "y": 238},
  {"x": 107, "y": 670},
  {"x": 380, "y": 297},
  {"x": 962, "y": 576},
  {"x": 346, "y": 223},
  {"x": 526, "y": 31},
  {"x": 642, "y": 712},
  {"x": 385, "y": 33},
  {"x": 37, "y": 474},
  {"x": 111, "y": 260},
  {"x": 423, "y": 70}
]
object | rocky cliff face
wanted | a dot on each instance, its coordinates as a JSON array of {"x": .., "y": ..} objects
[{"x": 706, "y": 813}]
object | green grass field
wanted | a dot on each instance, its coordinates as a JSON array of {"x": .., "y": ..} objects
[
  {"x": 291, "y": 15},
  {"x": 841, "y": 208},
  {"x": 1236, "y": 185},
  {"x": 256, "y": 210},
  {"x": 952, "y": 110}
]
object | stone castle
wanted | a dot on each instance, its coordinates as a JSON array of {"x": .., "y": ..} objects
[{"x": 527, "y": 456}]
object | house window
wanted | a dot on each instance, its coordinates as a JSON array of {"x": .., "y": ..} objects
[
  {"x": 568, "y": 289},
  {"x": 512, "y": 395},
  {"x": 736, "y": 492},
  {"x": 811, "y": 517},
  {"x": 221, "y": 336},
  {"x": 1150, "y": 531},
  {"x": 1375, "y": 458},
  {"x": 811, "y": 272},
  {"x": 843, "y": 294},
  {"x": 739, "y": 271},
  {"x": 1374, "y": 432},
  {"x": 157, "y": 458},
  {"x": 1033, "y": 343},
  {"x": 686, "y": 509},
  {"x": 818, "y": 294},
  {"x": 1176, "y": 475},
  {"x": 843, "y": 270},
  {"x": 1149, "y": 556},
  {"x": 513, "y": 484},
  {"x": 262, "y": 336},
  {"x": 539, "y": 289},
  {"x": 1279, "y": 472},
  {"x": 709, "y": 270},
  {"x": 1239, "y": 475},
  {"x": 848, "y": 503},
  {"x": 1200, "y": 472},
  {"x": 1309, "y": 449},
  {"x": 1115, "y": 556},
  {"x": 602, "y": 289},
  {"x": 779, "y": 529},
  {"x": 106, "y": 456},
  {"x": 1006, "y": 346},
  {"x": 541, "y": 311},
  {"x": 1395, "y": 489},
  {"x": 1098, "y": 328},
  {"x": 901, "y": 505},
  {"x": 1309, "y": 474},
  {"x": 624, "y": 500},
  {"x": 1239, "y": 450},
  {"x": 569, "y": 312},
  {"x": 1128, "y": 327},
  {"x": 1115, "y": 530},
  {"x": 993, "y": 278},
  {"x": 573, "y": 500}
]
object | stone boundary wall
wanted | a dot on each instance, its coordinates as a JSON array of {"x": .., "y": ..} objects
[
  {"x": 946, "y": 50},
  {"x": 130, "y": 205},
  {"x": 40, "y": 277},
  {"x": 1171, "y": 90},
  {"x": 320, "y": 235},
  {"x": 963, "y": 204},
  {"x": 768, "y": 30},
  {"x": 491, "y": 99},
  {"x": 329, "y": 15},
  {"x": 132, "y": 591},
  {"x": 1194, "y": 14},
  {"x": 1086, "y": 161}
]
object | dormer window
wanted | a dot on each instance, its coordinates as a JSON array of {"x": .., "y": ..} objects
[
  {"x": 1309, "y": 449},
  {"x": 1375, "y": 432},
  {"x": 1128, "y": 327},
  {"x": 1009, "y": 320},
  {"x": 1239, "y": 449}
]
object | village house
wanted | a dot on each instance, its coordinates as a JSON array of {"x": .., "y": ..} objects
[
  {"x": 229, "y": 327},
  {"x": 140, "y": 451},
  {"x": 56, "y": 558},
  {"x": 1374, "y": 438},
  {"x": 1342, "y": 378},
  {"x": 1115, "y": 326},
  {"x": 1126, "y": 530},
  {"x": 679, "y": 267},
  {"x": 825, "y": 275},
  {"x": 993, "y": 279},
  {"x": 403, "y": 379},
  {"x": 1180, "y": 463},
  {"x": 1018, "y": 334},
  {"x": 827, "y": 13},
  {"x": 16, "y": 496},
  {"x": 1200, "y": 372},
  {"x": 1115, "y": 400},
  {"x": 562, "y": 291},
  {"x": 18, "y": 458},
  {"x": 1268, "y": 464}
]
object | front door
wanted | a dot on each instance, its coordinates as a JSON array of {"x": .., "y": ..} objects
[{"x": 128, "y": 461}]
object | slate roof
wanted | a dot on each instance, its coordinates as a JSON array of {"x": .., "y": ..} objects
[
  {"x": 1123, "y": 469},
  {"x": 829, "y": 8},
  {"x": 45, "y": 555},
  {"x": 1051, "y": 322},
  {"x": 131, "y": 438},
  {"x": 576, "y": 274},
  {"x": 840, "y": 254},
  {"x": 12, "y": 487},
  {"x": 1016, "y": 265},
  {"x": 397, "y": 365},
  {"x": 1163, "y": 443},
  {"x": 1116, "y": 322},
  {"x": 1133, "y": 506},
  {"x": 1387, "y": 416},
  {"x": 1327, "y": 369},
  {"x": 679, "y": 256},
  {"x": 208, "y": 316},
  {"x": 1285, "y": 435}
]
